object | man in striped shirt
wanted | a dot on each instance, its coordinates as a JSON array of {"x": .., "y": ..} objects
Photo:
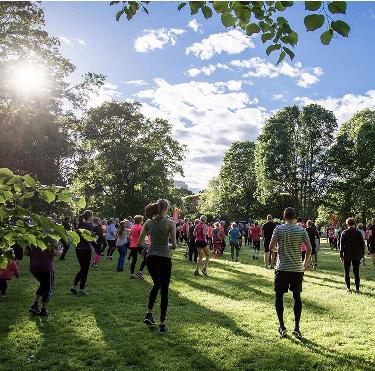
[{"x": 290, "y": 267}]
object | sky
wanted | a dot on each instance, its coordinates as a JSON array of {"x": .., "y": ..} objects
[{"x": 214, "y": 84}]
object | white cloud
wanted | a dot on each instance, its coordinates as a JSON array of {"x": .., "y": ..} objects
[
  {"x": 156, "y": 39},
  {"x": 195, "y": 26},
  {"x": 207, "y": 117},
  {"x": 207, "y": 70},
  {"x": 231, "y": 42},
  {"x": 107, "y": 93},
  {"x": 136, "y": 82},
  {"x": 70, "y": 42},
  {"x": 343, "y": 107},
  {"x": 277, "y": 97},
  {"x": 258, "y": 67}
]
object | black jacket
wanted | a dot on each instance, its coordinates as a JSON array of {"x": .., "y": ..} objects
[{"x": 352, "y": 245}]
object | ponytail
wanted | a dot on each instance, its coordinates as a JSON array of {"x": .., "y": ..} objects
[{"x": 156, "y": 208}]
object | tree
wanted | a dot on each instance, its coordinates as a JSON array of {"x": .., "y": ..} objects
[
  {"x": 124, "y": 160},
  {"x": 19, "y": 223},
  {"x": 291, "y": 156},
  {"x": 209, "y": 199},
  {"x": 262, "y": 17}
]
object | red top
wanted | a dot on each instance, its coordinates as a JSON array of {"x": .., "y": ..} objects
[
  {"x": 255, "y": 233},
  {"x": 134, "y": 235},
  {"x": 9, "y": 270},
  {"x": 199, "y": 232},
  {"x": 185, "y": 229},
  {"x": 209, "y": 231}
]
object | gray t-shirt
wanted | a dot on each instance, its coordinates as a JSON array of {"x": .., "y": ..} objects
[
  {"x": 289, "y": 239},
  {"x": 159, "y": 238}
]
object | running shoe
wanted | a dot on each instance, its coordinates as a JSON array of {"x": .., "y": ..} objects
[
  {"x": 349, "y": 291},
  {"x": 43, "y": 312},
  {"x": 297, "y": 333},
  {"x": 119, "y": 270},
  {"x": 140, "y": 275},
  {"x": 34, "y": 309},
  {"x": 282, "y": 332},
  {"x": 82, "y": 292},
  {"x": 204, "y": 271},
  {"x": 132, "y": 276},
  {"x": 163, "y": 329},
  {"x": 74, "y": 290},
  {"x": 357, "y": 292},
  {"x": 196, "y": 273},
  {"x": 149, "y": 320},
  {"x": 94, "y": 265}
]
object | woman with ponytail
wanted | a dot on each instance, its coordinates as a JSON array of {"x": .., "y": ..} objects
[
  {"x": 83, "y": 251},
  {"x": 159, "y": 262}
]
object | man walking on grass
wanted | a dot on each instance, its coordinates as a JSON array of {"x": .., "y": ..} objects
[
  {"x": 352, "y": 250},
  {"x": 289, "y": 267}
]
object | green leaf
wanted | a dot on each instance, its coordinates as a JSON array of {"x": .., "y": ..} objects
[
  {"x": 119, "y": 14},
  {"x": 3, "y": 262},
  {"x": 272, "y": 48},
  {"x": 2, "y": 199},
  {"x": 227, "y": 19},
  {"x": 31, "y": 239},
  {"x": 267, "y": 36},
  {"x": 289, "y": 52},
  {"x": 279, "y": 6},
  {"x": 326, "y": 37},
  {"x": 181, "y": 6},
  {"x": 281, "y": 20},
  {"x": 281, "y": 57},
  {"x": 87, "y": 235},
  {"x": 220, "y": 6},
  {"x": 64, "y": 197},
  {"x": 264, "y": 26},
  {"x": 80, "y": 203},
  {"x": 291, "y": 39},
  {"x": 3, "y": 213},
  {"x": 41, "y": 244},
  {"x": 313, "y": 5},
  {"x": 337, "y": 7},
  {"x": 195, "y": 6},
  {"x": 27, "y": 195},
  {"x": 29, "y": 180},
  {"x": 73, "y": 237},
  {"x": 207, "y": 12},
  {"x": 252, "y": 28},
  {"x": 5, "y": 172},
  {"x": 48, "y": 195},
  {"x": 7, "y": 195},
  {"x": 341, "y": 27},
  {"x": 314, "y": 21}
]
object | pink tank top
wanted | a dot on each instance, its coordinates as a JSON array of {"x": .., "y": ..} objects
[{"x": 199, "y": 230}]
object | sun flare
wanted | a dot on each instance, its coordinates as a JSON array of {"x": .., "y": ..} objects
[{"x": 28, "y": 78}]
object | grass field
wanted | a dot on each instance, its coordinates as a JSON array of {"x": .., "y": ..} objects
[{"x": 222, "y": 322}]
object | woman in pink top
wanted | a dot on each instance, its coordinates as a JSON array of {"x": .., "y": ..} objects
[
  {"x": 135, "y": 232},
  {"x": 255, "y": 233},
  {"x": 6, "y": 275},
  {"x": 200, "y": 233}
]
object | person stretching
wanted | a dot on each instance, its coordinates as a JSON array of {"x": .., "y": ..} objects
[
  {"x": 159, "y": 257},
  {"x": 289, "y": 268},
  {"x": 352, "y": 250}
]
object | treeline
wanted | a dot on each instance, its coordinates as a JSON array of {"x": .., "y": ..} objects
[
  {"x": 300, "y": 160},
  {"x": 113, "y": 155}
]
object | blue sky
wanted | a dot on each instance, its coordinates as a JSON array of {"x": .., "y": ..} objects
[{"x": 214, "y": 84}]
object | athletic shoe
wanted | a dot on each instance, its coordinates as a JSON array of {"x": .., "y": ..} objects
[
  {"x": 82, "y": 292},
  {"x": 102, "y": 254},
  {"x": 94, "y": 265},
  {"x": 119, "y": 270},
  {"x": 282, "y": 332},
  {"x": 43, "y": 312},
  {"x": 163, "y": 329},
  {"x": 132, "y": 276},
  {"x": 140, "y": 275},
  {"x": 204, "y": 271},
  {"x": 149, "y": 320},
  {"x": 236, "y": 260},
  {"x": 107, "y": 257},
  {"x": 253, "y": 256},
  {"x": 34, "y": 309},
  {"x": 349, "y": 291},
  {"x": 357, "y": 292},
  {"x": 297, "y": 333},
  {"x": 74, "y": 290},
  {"x": 196, "y": 273}
]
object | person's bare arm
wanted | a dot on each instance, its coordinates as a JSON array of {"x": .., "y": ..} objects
[
  {"x": 172, "y": 231},
  {"x": 144, "y": 233},
  {"x": 306, "y": 240},
  {"x": 273, "y": 243}
]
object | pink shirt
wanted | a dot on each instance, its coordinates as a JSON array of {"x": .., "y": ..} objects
[
  {"x": 9, "y": 270},
  {"x": 199, "y": 232},
  {"x": 134, "y": 235}
]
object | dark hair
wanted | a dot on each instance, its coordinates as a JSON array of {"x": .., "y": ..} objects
[
  {"x": 67, "y": 219},
  {"x": 289, "y": 213},
  {"x": 156, "y": 208},
  {"x": 87, "y": 214},
  {"x": 350, "y": 222}
]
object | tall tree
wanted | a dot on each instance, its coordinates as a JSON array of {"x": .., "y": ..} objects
[
  {"x": 291, "y": 156},
  {"x": 124, "y": 159}
]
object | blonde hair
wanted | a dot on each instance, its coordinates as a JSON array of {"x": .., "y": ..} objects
[{"x": 138, "y": 219}]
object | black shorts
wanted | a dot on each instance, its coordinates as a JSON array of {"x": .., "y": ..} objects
[
  {"x": 372, "y": 248},
  {"x": 18, "y": 251},
  {"x": 266, "y": 245},
  {"x": 256, "y": 245},
  {"x": 285, "y": 281},
  {"x": 111, "y": 244},
  {"x": 200, "y": 244},
  {"x": 234, "y": 244},
  {"x": 313, "y": 249}
]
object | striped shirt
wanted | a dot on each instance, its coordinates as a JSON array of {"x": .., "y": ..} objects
[{"x": 289, "y": 239}]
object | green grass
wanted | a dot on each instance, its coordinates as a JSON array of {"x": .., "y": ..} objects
[{"x": 222, "y": 322}]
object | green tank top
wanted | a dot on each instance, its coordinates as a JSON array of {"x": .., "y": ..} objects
[{"x": 159, "y": 238}]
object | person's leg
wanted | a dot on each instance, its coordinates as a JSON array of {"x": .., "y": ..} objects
[
  {"x": 303, "y": 255},
  {"x": 347, "y": 264},
  {"x": 199, "y": 259},
  {"x": 65, "y": 249},
  {"x": 191, "y": 250},
  {"x": 195, "y": 254},
  {"x": 3, "y": 286},
  {"x": 153, "y": 269},
  {"x": 165, "y": 277},
  {"x": 232, "y": 251},
  {"x": 134, "y": 255},
  {"x": 80, "y": 261},
  {"x": 207, "y": 253},
  {"x": 144, "y": 259},
  {"x": 46, "y": 285},
  {"x": 356, "y": 274},
  {"x": 238, "y": 248},
  {"x": 86, "y": 258},
  {"x": 279, "y": 305},
  {"x": 121, "y": 258},
  {"x": 297, "y": 308}
]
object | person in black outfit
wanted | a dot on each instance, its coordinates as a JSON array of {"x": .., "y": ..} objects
[
  {"x": 68, "y": 227},
  {"x": 267, "y": 231},
  {"x": 371, "y": 241},
  {"x": 192, "y": 248},
  {"x": 313, "y": 235},
  {"x": 352, "y": 250}
]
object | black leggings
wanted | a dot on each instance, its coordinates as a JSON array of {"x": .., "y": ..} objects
[
  {"x": 46, "y": 280},
  {"x": 65, "y": 249},
  {"x": 134, "y": 256},
  {"x": 347, "y": 264},
  {"x": 3, "y": 286},
  {"x": 279, "y": 305},
  {"x": 160, "y": 269},
  {"x": 84, "y": 258},
  {"x": 193, "y": 251}
]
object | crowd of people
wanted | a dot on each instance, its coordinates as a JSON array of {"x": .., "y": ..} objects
[{"x": 290, "y": 248}]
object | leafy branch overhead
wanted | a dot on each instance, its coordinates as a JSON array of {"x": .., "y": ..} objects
[
  {"x": 262, "y": 17},
  {"x": 19, "y": 224}
]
